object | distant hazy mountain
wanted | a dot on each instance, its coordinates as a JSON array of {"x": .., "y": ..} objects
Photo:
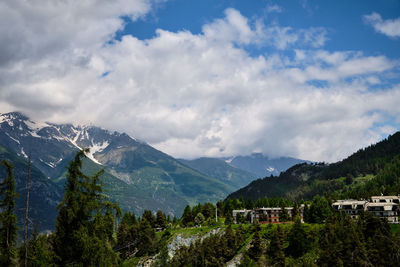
[
  {"x": 261, "y": 165},
  {"x": 221, "y": 170},
  {"x": 137, "y": 175}
]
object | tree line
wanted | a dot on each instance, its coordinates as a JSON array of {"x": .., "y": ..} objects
[
  {"x": 340, "y": 241},
  {"x": 87, "y": 234}
]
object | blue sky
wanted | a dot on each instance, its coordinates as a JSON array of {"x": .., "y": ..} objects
[
  {"x": 310, "y": 79},
  {"x": 343, "y": 20}
]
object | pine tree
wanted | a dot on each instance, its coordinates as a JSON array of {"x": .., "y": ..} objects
[
  {"x": 295, "y": 211},
  {"x": 149, "y": 217},
  {"x": 275, "y": 250},
  {"x": 146, "y": 241},
  {"x": 231, "y": 242},
  {"x": 161, "y": 220},
  {"x": 187, "y": 216},
  {"x": 306, "y": 213},
  {"x": 208, "y": 210},
  {"x": 283, "y": 215},
  {"x": 8, "y": 219},
  {"x": 85, "y": 221},
  {"x": 228, "y": 219},
  {"x": 40, "y": 253},
  {"x": 199, "y": 219},
  {"x": 129, "y": 218},
  {"x": 319, "y": 209},
  {"x": 126, "y": 234},
  {"x": 255, "y": 251},
  {"x": 298, "y": 243},
  {"x": 250, "y": 204}
]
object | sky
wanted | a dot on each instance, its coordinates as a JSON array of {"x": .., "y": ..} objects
[{"x": 316, "y": 80}]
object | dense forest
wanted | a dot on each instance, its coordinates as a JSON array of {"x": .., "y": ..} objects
[{"x": 92, "y": 231}]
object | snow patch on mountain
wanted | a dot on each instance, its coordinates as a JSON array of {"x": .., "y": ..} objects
[
  {"x": 35, "y": 127},
  {"x": 229, "y": 160},
  {"x": 13, "y": 138},
  {"x": 96, "y": 148},
  {"x": 23, "y": 153},
  {"x": 270, "y": 169},
  {"x": 75, "y": 139}
]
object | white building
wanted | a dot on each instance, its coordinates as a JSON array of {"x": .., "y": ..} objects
[
  {"x": 350, "y": 206},
  {"x": 385, "y": 199},
  {"x": 388, "y": 210},
  {"x": 381, "y": 206},
  {"x": 243, "y": 213}
]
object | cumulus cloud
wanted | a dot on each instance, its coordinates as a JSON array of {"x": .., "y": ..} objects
[
  {"x": 199, "y": 94},
  {"x": 389, "y": 27}
]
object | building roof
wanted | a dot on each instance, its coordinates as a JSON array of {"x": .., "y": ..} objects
[
  {"x": 350, "y": 202},
  {"x": 274, "y": 208},
  {"x": 244, "y": 210},
  {"x": 385, "y": 197}
]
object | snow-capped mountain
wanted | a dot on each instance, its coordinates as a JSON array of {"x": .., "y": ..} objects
[
  {"x": 137, "y": 175},
  {"x": 58, "y": 141}
]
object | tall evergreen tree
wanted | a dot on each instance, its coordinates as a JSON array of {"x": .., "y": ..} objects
[
  {"x": 255, "y": 251},
  {"x": 276, "y": 251},
  {"x": 229, "y": 218},
  {"x": 129, "y": 218},
  {"x": 341, "y": 243},
  {"x": 149, "y": 217},
  {"x": 8, "y": 219},
  {"x": 40, "y": 253},
  {"x": 146, "y": 239},
  {"x": 319, "y": 209},
  {"x": 298, "y": 243},
  {"x": 283, "y": 215},
  {"x": 295, "y": 211},
  {"x": 85, "y": 221},
  {"x": 161, "y": 220},
  {"x": 187, "y": 216}
]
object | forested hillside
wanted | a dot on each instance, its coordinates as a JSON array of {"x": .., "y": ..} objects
[{"x": 351, "y": 174}]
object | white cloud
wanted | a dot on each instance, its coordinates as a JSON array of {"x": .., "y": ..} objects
[
  {"x": 389, "y": 27},
  {"x": 197, "y": 94},
  {"x": 234, "y": 27}
]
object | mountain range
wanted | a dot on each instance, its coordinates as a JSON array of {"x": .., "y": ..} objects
[{"x": 137, "y": 176}]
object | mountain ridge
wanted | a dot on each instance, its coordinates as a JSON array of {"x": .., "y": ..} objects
[
  {"x": 262, "y": 165},
  {"x": 221, "y": 170},
  {"x": 135, "y": 172}
]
